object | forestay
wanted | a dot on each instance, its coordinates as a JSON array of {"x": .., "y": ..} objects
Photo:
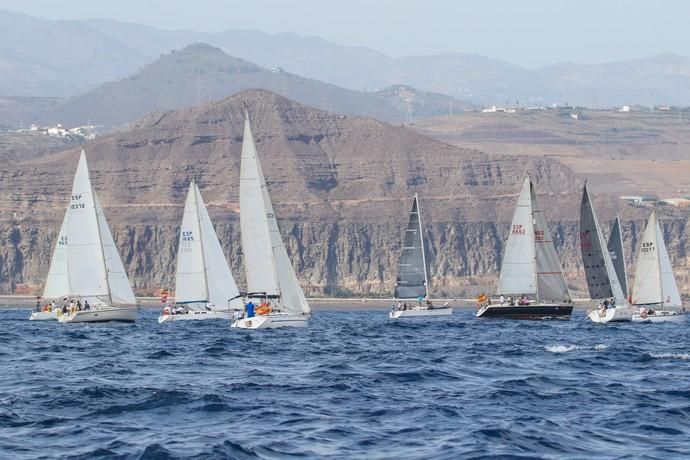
[
  {"x": 518, "y": 270},
  {"x": 602, "y": 280},
  {"x": 615, "y": 248},
  {"x": 412, "y": 280}
]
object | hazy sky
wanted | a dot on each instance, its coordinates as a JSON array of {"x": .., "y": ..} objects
[{"x": 527, "y": 32}]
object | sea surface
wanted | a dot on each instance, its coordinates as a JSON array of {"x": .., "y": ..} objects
[{"x": 352, "y": 385}]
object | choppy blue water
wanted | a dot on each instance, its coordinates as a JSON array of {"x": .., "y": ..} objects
[{"x": 351, "y": 385}]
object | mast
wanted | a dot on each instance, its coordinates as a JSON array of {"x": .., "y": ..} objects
[
  {"x": 201, "y": 235},
  {"x": 421, "y": 241},
  {"x": 658, "y": 258},
  {"x": 100, "y": 240},
  {"x": 622, "y": 255}
]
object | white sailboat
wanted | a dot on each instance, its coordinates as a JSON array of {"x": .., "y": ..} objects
[
  {"x": 655, "y": 291},
  {"x": 57, "y": 282},
  {"x": 204, "y": 285},
  {"x": 602, "y": 279},
  {"x": 89, "y": 269},
  {"x": 531, "y": 274},
  {"x": 271, "y": 280},
  {"x": 412, "y": 282}
]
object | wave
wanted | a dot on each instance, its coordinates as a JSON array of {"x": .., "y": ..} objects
[
  {"x": 566, "y": 348},
  {"x": 682, "y": 356}
]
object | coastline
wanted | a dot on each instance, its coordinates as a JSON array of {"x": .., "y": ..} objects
[{"x": 317, "y": 303}]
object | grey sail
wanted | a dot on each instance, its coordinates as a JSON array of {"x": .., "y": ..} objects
[
  {"x": 411, "y": 282},
  {"x": 602, "y": 280},
  {"x": 551, "y": 285},
  {"x": 615, "y": 248},
  {"x": 518, "y": 270}
]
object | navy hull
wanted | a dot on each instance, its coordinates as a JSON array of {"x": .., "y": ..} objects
[{"x": 537, "y": 311}]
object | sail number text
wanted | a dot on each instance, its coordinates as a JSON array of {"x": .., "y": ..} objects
[
  {"x": 518, "y": 230},
  {"x": 77, "y": 205},
  {"x": 648, "y": 247}
]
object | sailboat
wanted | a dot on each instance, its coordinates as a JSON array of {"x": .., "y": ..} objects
[
  {"x": 655, "y": 291},
  {"x": 412, "y": 283},
  {"x": 204, "y": 285},
  {"x": 86, "y": 266},
  {"x": 271, "y": 280},
  {"x": 615, "y": 248},
  {"x": 530, "y": 269},
  {"x": 57, "y": 282},
  {"x": 602, "y": 279}
]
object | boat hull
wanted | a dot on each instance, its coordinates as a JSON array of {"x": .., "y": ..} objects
[
  {"x": 44, "y": 316},
  {"x": 659, "y": 317},
  {"x": 196, "y": 316},
  {"x": 272, "y": 321},
  {"x": 420, "y": 313},
  {"x": 612, "y": 315},
  {"x": 535, "y": 311},
  {"x": 100, "y": 315}
]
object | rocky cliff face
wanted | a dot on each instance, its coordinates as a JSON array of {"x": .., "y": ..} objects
[{"x": 341, "y": 187}]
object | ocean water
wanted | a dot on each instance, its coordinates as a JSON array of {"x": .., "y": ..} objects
[{"x": 351, "y": 385}]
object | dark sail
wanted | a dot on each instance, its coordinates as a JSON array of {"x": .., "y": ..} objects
[
  {"x": 411, "y": 282},
  {"x": 615, "y": 248},
  {"x": 598, "y": 280}
]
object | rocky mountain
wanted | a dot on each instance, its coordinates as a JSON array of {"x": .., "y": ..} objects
[
  {"x": 201, "y": 73},
  {"x": 341, "y": 187},
  {"x": 66, "y": 58}
]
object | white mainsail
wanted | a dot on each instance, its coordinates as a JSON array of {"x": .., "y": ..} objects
[
  {"x": 602, "y": 279},
  {"x": 412, "y": 281},
  {"x": 85, "y": 260},
  {"x": 190, "y": 277},
  {"x": 530, "y": 263},
  {"x": 95, "y": 270},
  {"x": 655, "y": 283},
  {"x": 615, "y": 248},
  {"x": 57, "y": 282},
  {"x": 268, "y": 268},
  {"x": 518, "y": 270},
  {"x": 203, "y": 274}
]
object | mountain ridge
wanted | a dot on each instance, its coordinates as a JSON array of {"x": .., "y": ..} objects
[{"x": 640, "y": 81}]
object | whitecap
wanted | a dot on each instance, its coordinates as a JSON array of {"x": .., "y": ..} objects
[
  {"x": 566, "y": 348},
  {"x": 561, "y": 348},
  {"x": 683, "y": 356}
]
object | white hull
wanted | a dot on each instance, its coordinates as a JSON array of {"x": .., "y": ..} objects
[
  {"x": 99, "y": 315},
  {"x": 44, "y": 316},
  {"x": 417, "y": 312},
  {"x": 272, "y": 321},
  {"x": 659, "y": 317},
  {"x": 612, "y": 315},
  {"x": 196, "y": 316}
]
